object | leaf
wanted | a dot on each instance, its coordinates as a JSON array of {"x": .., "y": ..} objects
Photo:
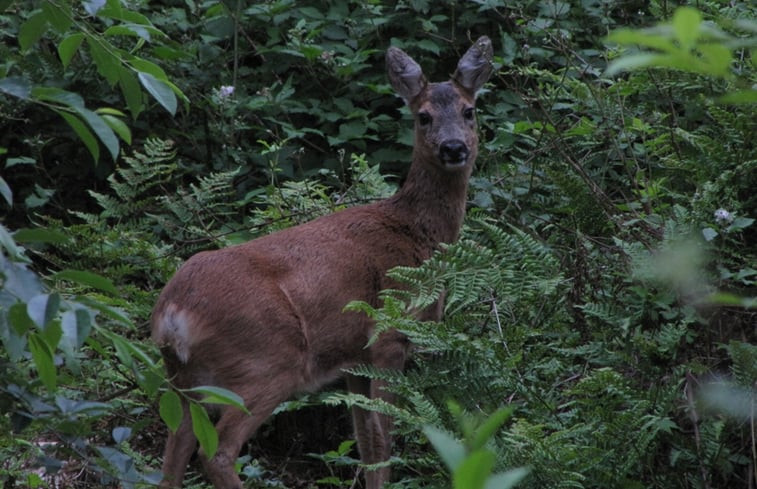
[
  {"x": 474, "y": 470},
  {"x": 43, "y": 308},
  {"x": 219, "y": 395},
  {"x": 709, "y": 234},
  {"x": 19, "y": 160},
  {"x": 686, "y": 22},
  {"x": 56, "y": 16},
  {"x": 39, "y": 235},
  {"x": 632, "y": 62},
  {"x": 159, "y": 90},
  {"x": 68, "y": 47},
  {"x": 131, "y": 91},
  {"x": 107, "y": 64},
  {"x": 32, "y": 30},
  {"x": 6, "y": 192},
  {"x": 43, "y": 360},
  {"x": 490, "y": 426},
  {"x": 746, "y": 96},
  {"x": 118, "y": 126},
  {"x": 450, "y": 450},
  {"x": 88, "y": 279},
  {"x": 17, "y": 86},
  {"x": 203, "y": 429},
  {"x": 93, "y": 6},
  {"x": 101, "y": 129},
  {"x": 170, "y": 410},
  {"x": 84, "y": 134},
  {"x": 121, "y": 434},
  {"x": 506, "y": 480}
]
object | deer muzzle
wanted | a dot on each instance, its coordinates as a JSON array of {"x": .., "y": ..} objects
[{"x": 453, "y": 152}]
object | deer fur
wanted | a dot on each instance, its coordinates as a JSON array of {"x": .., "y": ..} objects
[{"x": 265, "y": 318}]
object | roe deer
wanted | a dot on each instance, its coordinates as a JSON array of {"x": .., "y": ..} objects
[{"x": 265, "y": 318}]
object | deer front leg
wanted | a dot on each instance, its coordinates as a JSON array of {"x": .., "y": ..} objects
[{"x": 374, "y": 430}]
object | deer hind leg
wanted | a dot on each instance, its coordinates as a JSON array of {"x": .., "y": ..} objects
[
  {"x": 179, "y": 449},
  {"x": 235, "y": 427}
]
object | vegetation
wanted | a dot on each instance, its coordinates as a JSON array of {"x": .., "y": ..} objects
[{"x": 601, "y": 322}]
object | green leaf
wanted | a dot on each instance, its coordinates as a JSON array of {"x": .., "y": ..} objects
[
  {"x": 203, "y": 429},
  {"x": 159, "y": 90},
  {"x": 43, "y": 308},
  {"x": 6, "y": 192},
  {"x": 131, "y": 91},
  {"x": 19, "y": 319},
  {"x": 88, "y": 279},
  {"x": 747, "y": 96},
  {"x": 709, "y": 234},
  {"x": 84, "y": 134},
  {"x": 68, "y": 47},
  {"x": 170, "y": 410},
  {"x": 40, "y": 235},
  {"x": 43, "y": 360},
  {"x": 118, "y": 126},
  {"x": 56, "y": 16},
  {"x": 450, "y": 450},
  {"x": 219, "y": 395},
  {"x": 474, "y": 470},
  {"x": 107, "y": 64},
  {"x": 121, "y": 434},
  {"x": 506, "y": 480},
  {"x": 16, "y": 86},
  {"x": 632, "y": 62},
  {"x": 490, "y": 426},
  {"x": 686, "y": 22},
  {"x": 32, "y": 30},
  {"x": 101, "y": 129}
]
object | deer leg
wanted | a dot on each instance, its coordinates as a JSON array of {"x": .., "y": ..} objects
[
  {"x": 234, "y": 428},
  {"x": 179, "y": 448},
  {"x": 374, "y": 430}
]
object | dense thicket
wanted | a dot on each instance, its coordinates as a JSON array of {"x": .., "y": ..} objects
[{"x": 604, "y": 286}]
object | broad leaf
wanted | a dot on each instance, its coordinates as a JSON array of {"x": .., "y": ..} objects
[
  {"x": 16, "y": 86},
  {"x": 32, "y": 30},
  {"x": 159, "y": 90},
  {"x": 474, "y": 470},
  {"x": 83, "y": 132},
  {"x": 450, "y": 450},
  {"x": 68, "y": 47},
  {"x": 43, "y": 360},
  {"x": 170, "y": 410},
  {"x": 219, "y": 395},
  {"x": 203, "y": 429},
  {"x": 88, "y": 279},
  {"x": 506, "y": 480}
]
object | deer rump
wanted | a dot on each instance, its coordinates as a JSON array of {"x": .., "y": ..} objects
[{"x": 265, "y": 319}]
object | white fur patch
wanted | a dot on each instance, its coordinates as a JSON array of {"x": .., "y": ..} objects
[{"x": 173, "y": 329}]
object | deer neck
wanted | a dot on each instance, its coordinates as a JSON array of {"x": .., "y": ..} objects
[{"x": 433, "y": 200}]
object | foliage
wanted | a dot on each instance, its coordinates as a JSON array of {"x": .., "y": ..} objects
[{"x": 603, "y": 286}]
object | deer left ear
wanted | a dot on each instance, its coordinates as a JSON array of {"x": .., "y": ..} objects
[{"x": 475, "y": 67}]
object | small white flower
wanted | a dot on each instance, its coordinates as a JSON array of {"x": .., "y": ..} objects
[
  {"x": 226, "y": 91},
  {"x": 723, "y": 216}
]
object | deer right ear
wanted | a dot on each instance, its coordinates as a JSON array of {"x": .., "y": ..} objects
[{"x": 405, "y": 74}]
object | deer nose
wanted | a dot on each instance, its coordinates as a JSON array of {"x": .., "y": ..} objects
[{"x": 453, "y": 152}]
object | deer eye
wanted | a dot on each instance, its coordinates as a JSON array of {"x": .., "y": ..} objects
[
  {"x": 424, "y": 118},
  {"x": 469, "y": 113}
]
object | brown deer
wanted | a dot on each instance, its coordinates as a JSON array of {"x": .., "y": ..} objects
[{"x": 265, "y": 319}]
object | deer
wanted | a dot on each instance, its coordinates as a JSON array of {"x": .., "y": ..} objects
[{"x": 266, "y": 320}]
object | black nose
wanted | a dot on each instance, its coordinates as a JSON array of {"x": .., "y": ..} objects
[{"x": 453, "y": 152}]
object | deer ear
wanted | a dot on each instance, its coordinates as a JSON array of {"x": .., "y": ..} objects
[
  {"x": 475, "y": 67},
  {"x": 405, "y": 74}
]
